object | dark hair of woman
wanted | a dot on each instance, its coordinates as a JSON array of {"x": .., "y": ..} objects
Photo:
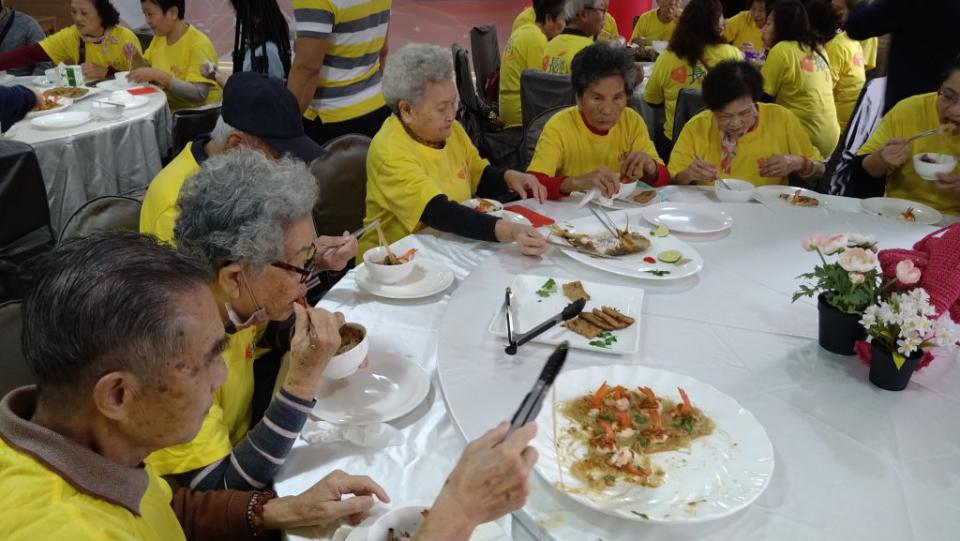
[
  {"x": 260, "y": 22},
  {"x": 696, "y": 30},
  {"x": 824, "y": 20},
  {"x": 167, "y": 5},
  {"x": 599, "y": 61},
  {"x": 109, "y": 16},
  {"x": 791, "y": 23},
  {"x": 729, "y": 81}
]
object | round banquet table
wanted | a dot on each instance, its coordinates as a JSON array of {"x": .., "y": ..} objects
[
  {"x": 101, "y": 157},
  {"x": 852, "y": 461}
]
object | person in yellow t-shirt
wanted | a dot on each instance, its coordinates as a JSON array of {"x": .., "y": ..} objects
[
  {"x": 869, "y": 45},
  {"x": 600, "y": 142},
  {"x": 421, "y": 164},
  {"x": 737, "y": 137},
  {"x": 607, "y": 31},
  {"x": 797, "y": 76},
  {"x": 696, "y": 46},
  {"x": 584, "y": 21},
  {"x": 844, "y": 54},
  {"x": 657, "y": 24},
  {"x": 888, "y": 154},
  {"x": 745, "y": 29},
  {"x": 524, "y": 50},
  {"x": 176, "y": 57},
  {"x": 95, "y": 41}
]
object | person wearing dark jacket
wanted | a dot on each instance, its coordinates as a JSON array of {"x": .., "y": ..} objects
[
  {"x": 924, "y": 41},
  {"x": 15, "y": 103}
]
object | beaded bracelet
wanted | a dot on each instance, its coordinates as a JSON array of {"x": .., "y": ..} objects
[{"x": 255, "y": 510}]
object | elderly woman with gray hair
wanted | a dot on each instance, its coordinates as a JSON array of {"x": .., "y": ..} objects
[
  {"x": 421, "y": 165},
  {"x": 248, "y": 220}
]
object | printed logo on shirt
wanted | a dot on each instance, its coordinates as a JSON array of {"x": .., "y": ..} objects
[
  {"x": 556, "y": 64},
  {"x": 679, "y": 75},
  {"x": 249, "y": 352},
  {"x": 858, "y": 59},
  {"x": 462, "y": 174}
]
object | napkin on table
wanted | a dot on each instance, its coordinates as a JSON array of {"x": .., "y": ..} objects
[{"x": 374, "y": 435}]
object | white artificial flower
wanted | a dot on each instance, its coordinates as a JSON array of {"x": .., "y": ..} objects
[
  {"x": 860, "y": 241},
  {"x": 869, "y": 318},
  {"x": 833, "y": 244}
]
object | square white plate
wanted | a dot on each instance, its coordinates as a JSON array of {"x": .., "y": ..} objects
[{"x": 531, "y": 310}]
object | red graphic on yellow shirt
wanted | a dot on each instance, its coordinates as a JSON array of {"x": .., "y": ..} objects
[
  {"x": 679, "y": 75},
  {"x": 462, "y": 174},
  {"x": 807, "y": 65},
  {"x": 249, "y": 353},
  {"x": 858, "y": 59}
]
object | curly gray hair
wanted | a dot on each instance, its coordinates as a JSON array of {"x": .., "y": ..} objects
[
  {"x": 574, "y": 7},
  {"x": 410, "y": 69},
  {"x": 236, "y": 207}
]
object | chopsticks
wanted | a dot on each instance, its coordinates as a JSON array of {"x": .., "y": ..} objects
[
  {"x": 717, "y": 179},
  {"x": 605, "y": 221},
  {"x": 311, "y": 333},
  {"x": 923, "y": 134},
  {"x": 382, "y": 239}
]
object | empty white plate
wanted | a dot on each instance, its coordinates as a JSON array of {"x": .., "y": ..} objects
[
  {"x": 388, "y": 388},
  {"x": 428, "y": 278},
  {"x": 891, "y": 207},
  {"x": 688, "y": 217},
  {"x": 61, "y": 121}
]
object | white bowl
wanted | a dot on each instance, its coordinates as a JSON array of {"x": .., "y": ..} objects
[
  {"x": 121, "y": 78},
  {"x": 405, "y": 519},
  {"x": 106, "y": 111},
  {"x": 741, "y": 193},
  {"x": 660, "y": 46},
  {"x": 385, "y": 274},
  {"x": 928, "y": 171},
  {"x": 346, "y": 363}
]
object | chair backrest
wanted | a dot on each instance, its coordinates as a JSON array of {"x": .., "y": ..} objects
[
  {"x": 866, "y": 117},
  {"x": 531, "y": 133},
  {"x": 689, "y": 103},
  {"x": 14, "y": 370},
  {"x": 144, "y": 35},
  {"x": 105, "y": 213},
  {"x": 465, "y": 85},
  {"x": 341, "y": 174},
  {"x": 540, "y": 91},
  {"x": 485, "y": 50},
  {"x": 190, "y": 123}
]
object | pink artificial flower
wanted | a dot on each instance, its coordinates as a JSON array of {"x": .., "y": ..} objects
[
  {"x": 856, "y": 278},
  {"x": 812, "y": 242},
  {"x": 907, "y": 272},
  {"x": 855, "y": 260},
  {"x": 833, "y": 244}
]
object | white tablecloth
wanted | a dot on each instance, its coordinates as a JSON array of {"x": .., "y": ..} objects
[
  {"x": 852, "y": 461},
  {"x": 102, "y": 157}
]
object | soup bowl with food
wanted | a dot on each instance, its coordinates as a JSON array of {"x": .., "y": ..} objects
[
  {"x": 733, "y": 190},
  {"x": 384, "y": 271},
  {"x": 400, "y": 524},
  {"x": 929, "y": 164},
  {"x": 354, "y": 347}
]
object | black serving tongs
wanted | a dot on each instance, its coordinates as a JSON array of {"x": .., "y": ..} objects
[
  {"x": 530, "y": 407},
  {"x": 514, "y": 340}
]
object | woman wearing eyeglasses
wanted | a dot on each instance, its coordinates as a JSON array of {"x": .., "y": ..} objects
[
  {"x": 888, "y": 154},
  {"x": 248, "y": 219}
]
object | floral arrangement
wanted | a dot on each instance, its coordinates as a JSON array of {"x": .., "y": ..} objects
[
  {"x": 849, "y": 284},
  {"x": 906, "y": 322}
]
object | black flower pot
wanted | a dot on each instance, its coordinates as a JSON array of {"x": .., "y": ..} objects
[
  {"x": 838, "y": 330},
  {"x": 883, "y": 371}
]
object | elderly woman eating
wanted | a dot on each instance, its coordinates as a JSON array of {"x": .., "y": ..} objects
[
  {"x": 248, "y": 220},
  {"x": 737, "y": 137},
  {"x": 600, "y": 142},
  {"x": 421, "y": 165},
  {"x": 889, "y": 153}
]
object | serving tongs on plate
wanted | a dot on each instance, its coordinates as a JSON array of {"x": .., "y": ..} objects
[{"x": 514, "y": 340}]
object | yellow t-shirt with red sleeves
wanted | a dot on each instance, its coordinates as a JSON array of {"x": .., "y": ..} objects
[
  {"x": 848, "y": 74},
  {"x": 524, "y": 50},
  {"x": 910, "y": 117},
  {"x": 559, "y": 52},
  {"x": 650, "y": 27},
  {"x": 64, "y": 47},
  {"x": 183, "y": 60},
  {"x": 870, "y": 46},
  {"x": 228, "y": 420},
  {"x": 40, "y": 505},
  {"x": 671, "y": 74},
  {"x": 799, "y": 79},
  {"x": 404, "y": 175},
  {"x": 778, "y": 131},
  {"x": 567, "y": 147},
  {"x": 741, "y": 29}
]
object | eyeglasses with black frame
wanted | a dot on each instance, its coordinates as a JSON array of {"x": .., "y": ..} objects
[{"x": 307, "y": 272}]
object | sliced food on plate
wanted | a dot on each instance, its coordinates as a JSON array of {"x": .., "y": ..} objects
[
  {"x": 797, "y": 199},
  {"x": 574, "y": 291},
  {"x": 644, "y": 197},
  {"x": 67, "y": 92},
  {"x": 625, "y": 243}
]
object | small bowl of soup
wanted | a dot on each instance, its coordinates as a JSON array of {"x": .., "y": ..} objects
[
  {"x": 929, "y": 164},
  {"x": 382, "y": 270},
  {"x": 353, "y": 350}
]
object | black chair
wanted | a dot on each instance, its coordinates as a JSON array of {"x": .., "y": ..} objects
[
  {"x": 104, "y": 214},
  {"x": 14, "y": 370},
  {"x": 341, "y": 175},
  {"x": 190, "y": 123},
  {"x": 532, "y": 133},
  {"x": 865, "y": 119},
  {"x": 25, "y": 231},
  {"x": 486, "y": 59},
  {"x": 541, "y": 91},
  {"x": 689, "y": 103},
  {"x": 144, "y": 35}
]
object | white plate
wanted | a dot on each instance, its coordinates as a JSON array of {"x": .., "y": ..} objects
[
  {"x": 511, "y": 216},
  {"x": 688, "y": 218},
  {"x": 128, "y": 100},
  {"x": 473, "y": 203},
  {"x": 530, "y": 310},
  {"x": 62, "y": 121},
  {"x": 633, "y": 266},
  {"x": 719, "y": 474},
  {"x": 90, "y": 92},
  {"x": 428, "y": 278},
  {"x": 891, "y": 207},
  {"x": 770, "y": 196},
  {"x": 387, "y": 389},
  {"x": 113, "y": 85},
  {"x": 63, "y": 104}
]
